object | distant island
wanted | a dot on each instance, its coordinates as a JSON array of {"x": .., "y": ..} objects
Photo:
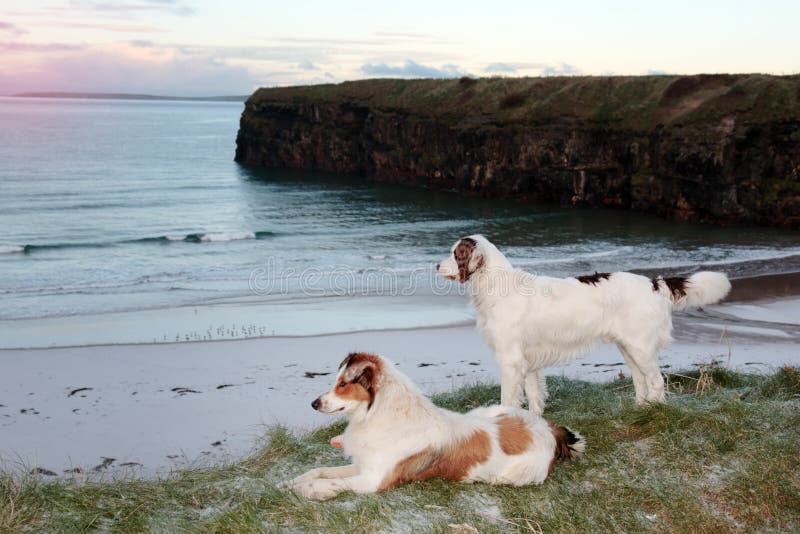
[{"x": 131, "y": 96}]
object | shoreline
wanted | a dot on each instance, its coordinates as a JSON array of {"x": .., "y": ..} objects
[{"x": 744, "y": 290}]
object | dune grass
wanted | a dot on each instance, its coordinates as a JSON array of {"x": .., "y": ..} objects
[
  {"x": 720, "y": 456},
  {"x": 627, "y": 102}
]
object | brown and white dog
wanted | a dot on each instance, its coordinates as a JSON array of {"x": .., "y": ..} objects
[{"x": 396, "y": 435}]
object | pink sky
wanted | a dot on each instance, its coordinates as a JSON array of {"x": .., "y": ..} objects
[{"x": 208, "y": 47}]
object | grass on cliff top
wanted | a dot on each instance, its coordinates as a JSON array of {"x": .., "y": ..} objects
[
  {"x": 720, "y": 456},
  {"x": 636, "y": 102}
]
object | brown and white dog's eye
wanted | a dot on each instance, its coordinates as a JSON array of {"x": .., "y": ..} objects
[{"x": 342, "y": 384}]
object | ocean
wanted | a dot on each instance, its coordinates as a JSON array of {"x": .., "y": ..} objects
[{"x": 129, "y": 222}]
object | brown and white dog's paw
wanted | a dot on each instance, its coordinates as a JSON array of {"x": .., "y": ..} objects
[
  {"x": 296, "y": 481},
  {"x": 316, "y": 489}
]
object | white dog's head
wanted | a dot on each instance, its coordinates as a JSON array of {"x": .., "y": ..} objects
[
  {"x": 355, "y": 387},
  {"x": 466, "y": 258}
]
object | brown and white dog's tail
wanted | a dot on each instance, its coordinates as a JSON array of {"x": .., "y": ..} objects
[
  {"x": 700, "y": 289},
  {"x": 569, "y": 444}
]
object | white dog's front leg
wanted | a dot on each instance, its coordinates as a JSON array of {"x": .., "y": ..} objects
[
  {"x": 325, "y": 488},
  {"x": 536, "y": 391},
  {"x": 511, "y": 378}
]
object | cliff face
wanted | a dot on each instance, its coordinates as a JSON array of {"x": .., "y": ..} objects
[{"x": 713, "y": 148}]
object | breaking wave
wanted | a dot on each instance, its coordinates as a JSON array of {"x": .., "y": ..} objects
[{"x": 199, "y": 237}]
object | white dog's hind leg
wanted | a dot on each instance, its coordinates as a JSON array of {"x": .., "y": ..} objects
[
  {"x": 536, "y": 391},
  {"x": 639, "y": 381},
  {"x": 511, "y": 378}
]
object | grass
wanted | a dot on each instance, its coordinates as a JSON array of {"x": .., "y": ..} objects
[
  {"x": 637, "y": 103},
  {"x": 720, "y": 455}
]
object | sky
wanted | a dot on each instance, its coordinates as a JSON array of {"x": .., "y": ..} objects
[{"x": 231, "y": 47}]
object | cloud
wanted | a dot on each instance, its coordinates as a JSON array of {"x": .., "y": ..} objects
[
  {"x": 174, "y": 7},
  {"x": 562, "y": 69},
  {"x": 328, "y": 41},
  {"x": 19, "y": 46},
  {"x": 405, "y": 35},
  {"x": 124, "y": 28},
  {"x": 7, "y": 27},
  {"x": 544, "y": 69},
  {"x": 501, "y": 67},
  {"x": 306, "y": 65},
  {"x": 412, "y": 69},
  {"x": 127, "y": 69}
]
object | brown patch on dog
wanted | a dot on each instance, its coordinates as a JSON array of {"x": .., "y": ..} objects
[
  {"x": 463, "y": 256},
  {"x": 355, "y": 358},
  {"x": 675, "y": 284},
  {"x": 452, "y": 463},
  {"x": 655, "y": 282},
  {"x": 593, "y": 279},
  {"x": 353, "y": 391},
  {"x": 514, "y": 436},
  {"x": 565, "y": 439},
  {"x": 362, "y": 369}
]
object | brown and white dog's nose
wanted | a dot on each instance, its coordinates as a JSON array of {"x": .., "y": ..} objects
[
  {"x": 437, "y": 266},
  {"x": 315, "y": 403}
]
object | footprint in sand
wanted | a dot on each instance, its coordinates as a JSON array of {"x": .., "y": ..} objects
[{"x": 43, "y": 471}]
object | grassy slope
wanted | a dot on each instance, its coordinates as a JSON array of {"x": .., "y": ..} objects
[
  {"x": 721, "y": 455},
  {"x": 635, "y": 102}
]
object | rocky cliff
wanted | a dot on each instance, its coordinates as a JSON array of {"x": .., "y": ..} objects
[{"x": 714, "y": 148}]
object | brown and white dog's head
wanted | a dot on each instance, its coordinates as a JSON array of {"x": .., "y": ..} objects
[
  {"x": 465, "y": 259},
  {"x": 355, "y": 387}
]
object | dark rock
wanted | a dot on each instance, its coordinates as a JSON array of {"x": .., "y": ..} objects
[
  {"x": 183, "y": 391},
  {"x": 105, "y": 464},
  {"x": 43, "y": 471},
  {"x": 312, "y": 374}
]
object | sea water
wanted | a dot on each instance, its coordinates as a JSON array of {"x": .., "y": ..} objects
[{"x": 129, "y": 222}]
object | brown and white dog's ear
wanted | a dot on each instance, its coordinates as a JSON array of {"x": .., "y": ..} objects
[
  {"x": 467, "y": 258},
  {"x": 362, "y": 369}
]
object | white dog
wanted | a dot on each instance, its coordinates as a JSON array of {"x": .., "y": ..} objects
[
  {"x": 396, "y": 435},
  {"x": 534, "y": 321}
]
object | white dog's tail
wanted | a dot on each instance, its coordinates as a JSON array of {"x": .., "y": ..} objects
[{"x": 699, "y": 289}]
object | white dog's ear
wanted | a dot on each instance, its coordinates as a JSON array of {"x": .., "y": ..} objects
[{"x": 468, "y": 258}]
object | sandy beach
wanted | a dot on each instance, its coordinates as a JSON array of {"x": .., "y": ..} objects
[{"x": 148, "y": 409}]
